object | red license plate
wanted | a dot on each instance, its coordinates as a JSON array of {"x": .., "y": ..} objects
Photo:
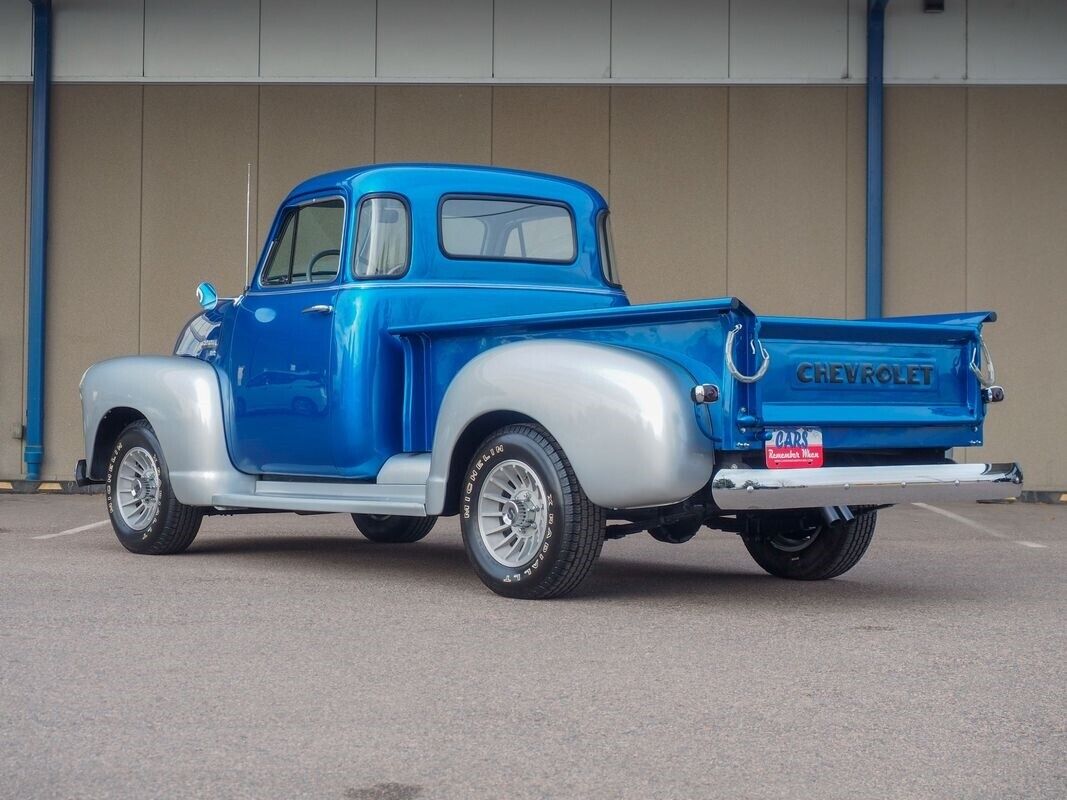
[{"x": 792, "y": 448}]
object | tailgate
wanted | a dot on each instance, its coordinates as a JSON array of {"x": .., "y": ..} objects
[{"x": 895, "y": 383}]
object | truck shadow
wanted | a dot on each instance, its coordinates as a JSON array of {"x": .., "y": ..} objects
[
  {"x": 437, "y": 560},
  {"x": 613, "y": 579},
  {"x": 636, "y": 580}
]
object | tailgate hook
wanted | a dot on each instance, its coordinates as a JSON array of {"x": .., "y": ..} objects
[
  {"x": 976, "y": 368},
  {"x": 730, "y": 357}
]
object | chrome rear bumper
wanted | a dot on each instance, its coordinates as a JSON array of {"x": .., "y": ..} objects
[{"x": 762, "y": 489}]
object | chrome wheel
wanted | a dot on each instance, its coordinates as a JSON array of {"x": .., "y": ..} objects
[
  {"x": 512, "y": 513},
  {"x": 138, "y": 488}
]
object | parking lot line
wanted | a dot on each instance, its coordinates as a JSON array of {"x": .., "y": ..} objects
[
  {"x": 970, "y": 523},
  {"x": 79, "y": 529}
]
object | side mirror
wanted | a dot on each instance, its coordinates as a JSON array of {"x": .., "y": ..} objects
[{"x": 206, "y": 296}]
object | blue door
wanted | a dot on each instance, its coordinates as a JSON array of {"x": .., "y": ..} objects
[{"x": 280, "y": 362}]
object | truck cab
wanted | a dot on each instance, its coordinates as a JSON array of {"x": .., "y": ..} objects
[{"x": 312, "y": 379}]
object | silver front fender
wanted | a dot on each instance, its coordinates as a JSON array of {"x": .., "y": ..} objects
[
  {"x": 624, "y": 418},
  {"x": 180, "y": 398}
]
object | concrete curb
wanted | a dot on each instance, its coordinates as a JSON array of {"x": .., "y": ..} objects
[
  {"x": 1054, "y": 497},
  {"x": 47, "y": 487}
]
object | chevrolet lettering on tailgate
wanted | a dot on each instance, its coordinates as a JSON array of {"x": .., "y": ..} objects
[{"x": 866, "y": 373}]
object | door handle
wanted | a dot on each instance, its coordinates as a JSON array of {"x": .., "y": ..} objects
[{"x": 319, "y": 309}]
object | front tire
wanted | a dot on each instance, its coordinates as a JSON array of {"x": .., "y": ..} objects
[
  {"x": 528, "y": 527},
  {"x": 146, "y": 516},
  {"x": 389, "y": 529},
  {"x": 815, "y": 553}
]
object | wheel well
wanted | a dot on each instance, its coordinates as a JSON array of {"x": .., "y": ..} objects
[
  {"x": 111, "y": 425},
  {"x": 473, "y": 435}
]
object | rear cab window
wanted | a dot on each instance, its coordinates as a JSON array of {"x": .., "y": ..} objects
[{"x": 507, "y": 229}]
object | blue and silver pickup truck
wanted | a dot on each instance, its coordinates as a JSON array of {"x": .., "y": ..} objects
[{"x": 428, "y": 340}]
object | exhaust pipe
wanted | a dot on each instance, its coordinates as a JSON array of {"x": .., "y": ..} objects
[{"x": 837, "y": 515}]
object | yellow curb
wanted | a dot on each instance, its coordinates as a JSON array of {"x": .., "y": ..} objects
[{"x": 49, "y": 487}]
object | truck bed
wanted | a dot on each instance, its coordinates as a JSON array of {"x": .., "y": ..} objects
[{"x": 870, "y": 385}]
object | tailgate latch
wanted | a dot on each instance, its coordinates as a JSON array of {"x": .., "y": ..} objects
[
  {"x": 988, "y": 378},
  {"x": 992, "y": 394}
]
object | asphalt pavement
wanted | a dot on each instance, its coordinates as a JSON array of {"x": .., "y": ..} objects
[{"x": 287, "y": 657}]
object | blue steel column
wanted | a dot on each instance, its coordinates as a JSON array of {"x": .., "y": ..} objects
[
  {"x": 33, "y": 451},
  {"x": 875, "y": 45}
]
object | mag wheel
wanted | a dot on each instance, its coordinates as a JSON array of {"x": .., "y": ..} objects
[
  {"x": 146, "y": 516},
  {"x": 813, "y": 553},
  {"x": 528, "y": 527}
]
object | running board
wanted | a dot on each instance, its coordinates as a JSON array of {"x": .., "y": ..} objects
[{"x": 387, "y": 496}]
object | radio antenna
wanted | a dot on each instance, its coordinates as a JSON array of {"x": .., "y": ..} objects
[{"x": 248, "y": 219}]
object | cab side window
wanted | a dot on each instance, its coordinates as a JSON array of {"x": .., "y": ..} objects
[{"x": 308, "y": 248}]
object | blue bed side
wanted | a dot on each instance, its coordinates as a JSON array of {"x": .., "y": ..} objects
[{"x": 941, "y": 408}]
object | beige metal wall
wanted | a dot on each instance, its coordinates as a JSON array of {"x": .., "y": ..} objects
[
  {"x": 750, "y": 190},
  {"x": 14, "y": 185}
]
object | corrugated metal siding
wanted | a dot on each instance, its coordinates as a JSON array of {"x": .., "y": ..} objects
[{"x": 626, "y": 41}]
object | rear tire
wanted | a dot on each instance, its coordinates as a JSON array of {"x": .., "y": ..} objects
[
  {"x": 814, "y": 554},
  {"x": 390, "y": 529},
  {"x": 529, "y": 529},
  {"x": 146, "y": 516}
]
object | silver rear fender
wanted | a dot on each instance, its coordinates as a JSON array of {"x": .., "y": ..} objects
[{"x": 624, "y": 418}]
